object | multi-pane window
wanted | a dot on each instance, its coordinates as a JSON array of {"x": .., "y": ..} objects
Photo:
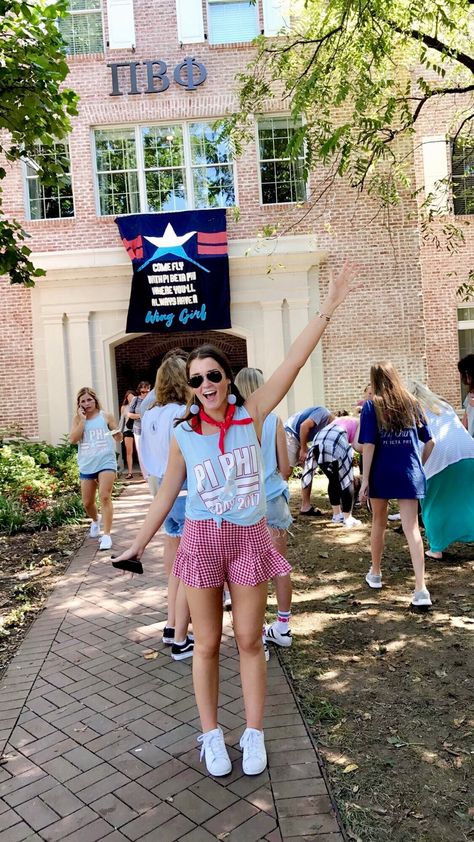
[
  {"x": 53, "y": 201},
  {"x": 463, "y": 177},
  {"x": 282, "y": 179},
  {"x": 231, "y": 21},
  {"x": 465, "y": 336},
  {"x": 117, "y": 171},
  {"x": 163, "y": 168},
  {"x": 212, "y": 168},
  {"x": 82, "y": 27},
  {"x": 165, "y": 172}
]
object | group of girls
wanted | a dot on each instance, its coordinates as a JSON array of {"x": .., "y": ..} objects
[{"x": 214, "y": 455}]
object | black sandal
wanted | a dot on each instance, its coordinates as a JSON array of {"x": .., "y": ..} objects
[
  {"x": 130, "y": 565},
  {"x": 312, "y": 512}
]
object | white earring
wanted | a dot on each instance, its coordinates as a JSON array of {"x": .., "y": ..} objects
[
  {"x": 194, "y": 409},
  {"x": 231, "y": 398}
]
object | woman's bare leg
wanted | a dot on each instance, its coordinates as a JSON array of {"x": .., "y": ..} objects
[
  {"x": 89, "y": 497},
  {"x": 248, "y": 610},
  {"x": 169, "y": 554},
  {"x": 206, "y": 610},
  {"x": 129, "y": 453},
  {"x": 106, "y": 483},
  {"x": 182, "y": 615},
  {"x": 282, "y": 584},
  {"x": 377, "y": 535},
  {"x": 409, "y": 516}
]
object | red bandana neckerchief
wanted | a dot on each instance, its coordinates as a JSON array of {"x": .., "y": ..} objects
[{"x": 224, "y": 425}]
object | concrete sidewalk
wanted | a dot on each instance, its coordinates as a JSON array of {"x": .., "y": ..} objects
[{"x": 99, "y": 725}]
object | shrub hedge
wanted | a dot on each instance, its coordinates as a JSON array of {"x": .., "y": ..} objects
[{"x": 39, "y": 485}]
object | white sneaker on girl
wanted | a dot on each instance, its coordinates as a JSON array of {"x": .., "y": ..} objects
[
  {"x": 214, "y": 751},
  {"x": 254, "y": 760}
]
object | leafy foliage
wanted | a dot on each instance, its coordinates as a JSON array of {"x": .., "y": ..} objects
[
  {"x": 39, "y": 486},
  {"x": 347, "y": 68},
  {"x": 358, "y": 75},
  {"x": 34, "y": 107}
]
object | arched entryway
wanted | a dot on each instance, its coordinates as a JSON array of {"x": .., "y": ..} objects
[{"x": 139, "y": 358}]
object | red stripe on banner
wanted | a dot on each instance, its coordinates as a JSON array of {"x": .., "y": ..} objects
[
  {"x": 210, "y": 250},
  {"x": 134, "y": 247},
  {"x": 212, "y": 239}
]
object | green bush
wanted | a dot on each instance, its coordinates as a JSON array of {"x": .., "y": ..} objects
[
  {"x": 39, "y": 485},
  {"x": 68, "y": 509},
  {"x": 12, "y": 516}
]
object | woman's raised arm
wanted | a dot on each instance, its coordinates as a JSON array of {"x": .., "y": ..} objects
[{"x": 264, "y": 399}]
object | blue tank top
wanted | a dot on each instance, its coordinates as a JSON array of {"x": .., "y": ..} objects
[
  {"x": 226, "y": 486},
  {"x": 96, "y": 450},
  {"x": 274, "y": 482}
]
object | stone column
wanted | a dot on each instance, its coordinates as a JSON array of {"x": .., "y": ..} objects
[
  {"x": 302, "y": 394},
  {"x": 79, "y": 351},
  {"x": 274, "y": 345},
  {"x": 56, "y": 373}
]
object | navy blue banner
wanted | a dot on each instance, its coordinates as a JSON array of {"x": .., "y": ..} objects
[{"x": 180, "y": 271}]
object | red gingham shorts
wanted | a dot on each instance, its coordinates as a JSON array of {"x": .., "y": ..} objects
[{"x": 209, "y": 554}]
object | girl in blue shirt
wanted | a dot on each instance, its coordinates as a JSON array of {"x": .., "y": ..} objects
[{"x": 391, "y": 425}]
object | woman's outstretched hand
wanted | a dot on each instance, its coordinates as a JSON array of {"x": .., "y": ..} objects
[
  {"x": 340, "y": 286},
  {"x": 128, "y": 554}
]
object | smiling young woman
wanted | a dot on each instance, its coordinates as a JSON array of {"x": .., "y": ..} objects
[
  {"x": 216, "y": 448},
  {"x": 92, "y": 431}
]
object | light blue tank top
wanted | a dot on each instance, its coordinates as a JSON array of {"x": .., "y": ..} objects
[
  {"x": 96, "y": 451},
  {"x": 274, "y": 482},
  {"x": 226, "y": 486}
]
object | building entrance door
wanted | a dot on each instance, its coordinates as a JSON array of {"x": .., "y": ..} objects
[{"x": 139, "y": 358}]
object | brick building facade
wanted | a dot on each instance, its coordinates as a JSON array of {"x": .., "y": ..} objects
[{"x": 70, "y": 329}]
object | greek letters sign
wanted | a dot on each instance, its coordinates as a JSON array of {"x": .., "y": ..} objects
[
  {"x": 180, "y": 271},
  {"x": 153, "y": 77}
]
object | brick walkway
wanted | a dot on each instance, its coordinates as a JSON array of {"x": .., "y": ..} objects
[{"x": 99, "y": 725}]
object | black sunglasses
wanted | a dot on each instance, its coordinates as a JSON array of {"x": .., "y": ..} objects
[{"x": 214, "y": 376}]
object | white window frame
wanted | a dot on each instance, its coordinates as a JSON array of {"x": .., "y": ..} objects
[
  {"x": 467, "y": 324},
  {"x": 451, "y": 153},
  {"x": 188, "y": 166},
  {"x": 272, "y": 116},
  {"x": 237, "y": 40},
  {"x": 96, "y": 174},
  {"x": 77, "y": 12},
  {"x": 26, "y": 192}
]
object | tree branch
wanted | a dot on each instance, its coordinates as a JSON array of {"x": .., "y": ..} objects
[{"x": 435, "y": 44}]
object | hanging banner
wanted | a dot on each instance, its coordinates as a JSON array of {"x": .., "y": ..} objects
[{"x": 180, "y": 271}]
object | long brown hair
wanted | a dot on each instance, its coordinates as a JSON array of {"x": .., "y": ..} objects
[
  {"x": 127, "y": 393},
  {"x": 395, "y": 408},
  {"x": 171, "y": 385},
  {"x": 201, "y": 353}
]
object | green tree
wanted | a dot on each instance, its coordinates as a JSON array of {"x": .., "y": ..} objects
[
  {"x": 34, "y": 107},
  {"x": 360, "y": 73}
]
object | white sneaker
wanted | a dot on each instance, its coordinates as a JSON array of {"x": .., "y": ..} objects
[
  {"x": 374, "y": 580},
  {"x": 94, "y": 531},
  {"x": 105, "y": 543},
  {"x": 214, "y": 751},
  {"x": 338, "y": 518},
  {"x": 254, "y": 760},
  {"x": 421, "y": 598},
  {"x": 272, "y": 635},
  {"x": 351, "y": 522}
]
